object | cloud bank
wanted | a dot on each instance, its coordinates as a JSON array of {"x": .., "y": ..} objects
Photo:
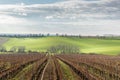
[{"x": 68, "y": 16}]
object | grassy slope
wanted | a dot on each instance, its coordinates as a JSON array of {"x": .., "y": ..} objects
[
  {"x": 105, "y": 46},
  {"x": 87, "y": 45},
  {"x": 3, "y": 40}
]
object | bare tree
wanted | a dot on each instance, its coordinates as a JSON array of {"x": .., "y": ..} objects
[{"x": 64, "y": 48}]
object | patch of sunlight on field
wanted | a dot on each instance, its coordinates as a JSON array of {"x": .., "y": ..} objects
[{"x": 103, "y": 50}]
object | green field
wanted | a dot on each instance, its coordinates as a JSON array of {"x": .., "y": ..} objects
[{"x": 86, "y": 45}]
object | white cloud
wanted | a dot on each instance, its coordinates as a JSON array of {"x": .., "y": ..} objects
[
  {"x": 6, "y": 19},
  {"x": 65, "y": 16},
  {"x": 49, "y": 17},
  {"x": 22, "y": 14},
  {"x": 65, "y": 8}
]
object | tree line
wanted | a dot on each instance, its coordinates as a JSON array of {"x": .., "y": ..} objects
[
  {"x": 60, "y": 35},
  {"x": 19, "y": 49}
]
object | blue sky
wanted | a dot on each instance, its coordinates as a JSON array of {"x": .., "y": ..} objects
[
  {"x": 86, "y": 17},
  {"x": 28, "y": 1}
]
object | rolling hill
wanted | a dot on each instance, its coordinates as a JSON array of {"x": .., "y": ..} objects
[{"x": 86, "y": 45}]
